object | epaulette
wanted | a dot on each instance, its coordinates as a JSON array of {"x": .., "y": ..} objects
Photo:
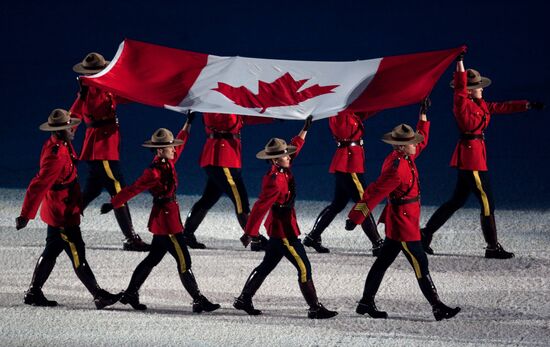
[{"x": 55, "y": 149}]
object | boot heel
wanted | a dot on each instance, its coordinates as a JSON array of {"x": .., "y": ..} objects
[
  {"x": 442, "y": 311},
  {"x": 203, "y": 304},
  {"x": 246, "y": 306},
  {"x": 320, "y": 312},
  {"x": 133, "y": 300},
  {"x": 370, "y": 308}
]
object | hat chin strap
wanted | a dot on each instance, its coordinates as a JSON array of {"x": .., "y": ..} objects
[{"x": 62, "y": 134}]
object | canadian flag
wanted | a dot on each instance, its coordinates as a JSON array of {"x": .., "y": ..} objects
[{"x": 181, "y": 80}]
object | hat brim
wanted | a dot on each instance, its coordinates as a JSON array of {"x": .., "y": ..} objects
[
  {"x": 387, "y": 138},
  {"x": 47, "y": 127},
  {"x": 79, "y": 68},
  {"x": 151, "y": 144},
  {"x": 485, "y": 82},
  {"x": 264, "y": 155}
]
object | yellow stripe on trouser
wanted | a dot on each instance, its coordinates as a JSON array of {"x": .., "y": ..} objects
[
  {"x": 416, "y": 266},
  {"x": 484, "y": 200},
  {"x": 234, "y": 189},
  {"x": 111, "y": 176},
  {"x": 357, "y": 184},
  {"x": 179, "y": 252},
  {"x": 74, "y": 252},
  {"x": 301, "y": 265}
]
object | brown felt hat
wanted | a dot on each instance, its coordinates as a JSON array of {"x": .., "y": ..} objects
[
  {"x": 92, "y": 63},
  {"x": 59, "y": 119},
  {"x": 402, "y": 134},
  {"x": 276, "y": 148},
  {"x": 161, "y": 138},
  {"x": 475, "y": 80}
]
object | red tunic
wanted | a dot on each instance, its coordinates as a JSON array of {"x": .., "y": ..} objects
[
  {"x": 98, "y": 110},
  {"x": 277, "y": 188},
  {"x": 472, "y": 118},
  {"x": 161, "y": 179},
  {"x": 55, "y": 186},
  {"x": 347, "y": 126},
  {"x": 398, "y": 180},
  {"x": 223, "y": 138}
]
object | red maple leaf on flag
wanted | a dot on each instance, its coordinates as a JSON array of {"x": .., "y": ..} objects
[{"x": 281, "y": 92}]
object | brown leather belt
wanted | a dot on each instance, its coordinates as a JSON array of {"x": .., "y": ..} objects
[{"x": 404, "y": 201}]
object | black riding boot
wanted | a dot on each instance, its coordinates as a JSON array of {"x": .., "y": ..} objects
[
  {"x": 244, "y": 301},
  {"x": 440, "y": 310},
  {"x": 132, "y": 240},
  {"x": 42, "y": 271},
  {"x": 313, "y": 239},
  {"x": 370, "y": 229},
  {"x": 200, "y": 302},
  {"x": 192, "y": 222},
  {"x": 316, "y": 309},
  {"x": 426, "y": 239},
  {"x": 367, "y": 305},
  {"x": 102, "y": 298},
  {"x": 436, "y": 221},
  {"x": 131, "y": 295},
  {"x": 494, "y": 250},
  {"x": 243, "y": 219}
]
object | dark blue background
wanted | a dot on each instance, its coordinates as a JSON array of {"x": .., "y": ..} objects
[{"x": 507, "y": 42}]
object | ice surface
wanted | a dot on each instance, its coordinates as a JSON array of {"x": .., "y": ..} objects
[{"x": 504, "y": 302}]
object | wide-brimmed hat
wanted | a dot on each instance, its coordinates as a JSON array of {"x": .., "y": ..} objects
[
  {"x": 59, "y": 119},
  {"x": 276, "y": 148},
  {"x": 92, "y": 63},
  {"x": 161, "y": 138},
  {"x": 402, "y": 134},
  {"x": 475, "y": 80}
]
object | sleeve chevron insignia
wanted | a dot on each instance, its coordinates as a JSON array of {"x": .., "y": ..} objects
[{"x": 362, "y": 207}]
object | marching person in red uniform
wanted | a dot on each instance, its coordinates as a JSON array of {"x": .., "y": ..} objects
[
  {"x": 221, "y": 160},
  {"x": 56, "y": 188},
  {"x": 399, "y": 183},
  {"x": 277, "y": 200},
  {"x": 473, "y": 114},
  {"x": 348, "y": 166},
  {"x": 101, "y": 147},
  {"x": 161, "y": 180}
]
